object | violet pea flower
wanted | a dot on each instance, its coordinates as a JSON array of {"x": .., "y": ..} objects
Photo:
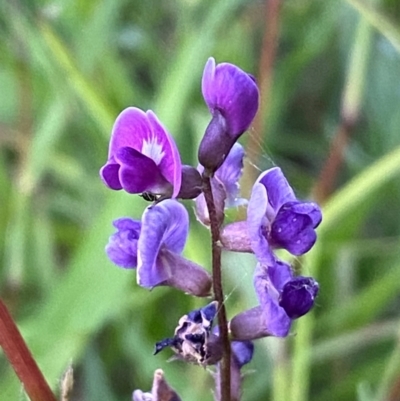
[
  {"x": 154, "y": 246},
  {"x": 142, "y": 156},
  {"x": 276, "y": 219},
  {"x": 232, "y": 98},
  {"x": 282, "y": 298}
]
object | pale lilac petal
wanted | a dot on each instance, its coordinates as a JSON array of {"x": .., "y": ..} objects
[
  {"x": 163, "y": 225},
  {"x": 278, "y": 189},
  {"x": 278, "y": 322},
  {"x": 219, "y": 195},
  {"x": 229, "y": 174},
  {"x": 231, "y": 91},
  {"x": 138, "y": 173},
  {"x": 122, "y": 246},
  {"x": 258, "y": 224}
]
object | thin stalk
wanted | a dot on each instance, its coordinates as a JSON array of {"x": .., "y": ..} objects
[
  {"x": 21, "y": 359},
  {"x": 225, "y": 364}
]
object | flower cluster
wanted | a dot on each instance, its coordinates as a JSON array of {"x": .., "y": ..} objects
[{"x": 143, "y": 159}]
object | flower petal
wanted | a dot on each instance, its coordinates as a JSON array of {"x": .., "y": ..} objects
[
  {"x": 242, "y": 351},
  {"x": 233, "y": 92},
  {"x": 278, "y": 322},
  {"x": 185, "y": 275},
  {"x": 293, "y": 231},
  {"x": 122, "y": 246},
  {"x": 138, "y": 173},
  {"x": 278, "y": 189},
  {"x": 109, "y": 173},
  {"x": 164, "y": 225},
  {"x": 257, "y": 224},
  {"x": 229, "y": 174},
  {"x": 144, "y": 133},
  {"x": 298, "y": 296}
]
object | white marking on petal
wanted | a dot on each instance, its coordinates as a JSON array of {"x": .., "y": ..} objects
[{"x": 153, "y": 149}]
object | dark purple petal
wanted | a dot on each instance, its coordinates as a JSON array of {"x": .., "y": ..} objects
[
  {"x": 143, "y": 132},
  {"x": 231, "y": 91},
  {"x": 293, "y": 231},
  {"x": 258, "y": 224},
  {"x": 242, "y": 352},
  {"x": 163, "y": 225},
  {"x": 229, "y": 174},
  {"x": 109, "y": 173},
  {"x": 139, "y": 173},
  {"x": 122, "y": 246},
  {"x": 298, "y": 296},
  {"x": 277, "y": 321},
  {"x": 278, "y": 189},
  {"x": 311, "y": 209}
]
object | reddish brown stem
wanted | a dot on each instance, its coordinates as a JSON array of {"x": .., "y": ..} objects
[
  {"x": 225, "y": 368},
  {"x": 327, "y": 179},
  {"x": 265, "y": 78},
  {"x": 21, "y": 359}
]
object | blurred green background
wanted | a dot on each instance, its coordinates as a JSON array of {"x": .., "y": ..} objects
[{"x": 67, "y": 68}]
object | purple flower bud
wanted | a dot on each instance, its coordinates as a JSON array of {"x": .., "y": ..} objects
[
  {"x": 142, "y": 156},
  {"x": 298, "y": 295},
  {"x": 122, "y": 246},
  {"x": 232, "y": 98}
]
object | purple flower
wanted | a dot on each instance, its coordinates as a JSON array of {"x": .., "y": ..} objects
[
  {"x": 277, "y": 219},
  {"x": 154, "y": 246},
  {"x": 142, "y": 156},
  {"x": 122, "y": 246},
  {"x": 225, "y": 185},
  {"x": 282, "y": 298},
  {"x": 232, "y": 98}
]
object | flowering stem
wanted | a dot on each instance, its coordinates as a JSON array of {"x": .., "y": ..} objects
[
  {"x": 225, "y": 364},
  {"x": 21, "y": 359}
]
